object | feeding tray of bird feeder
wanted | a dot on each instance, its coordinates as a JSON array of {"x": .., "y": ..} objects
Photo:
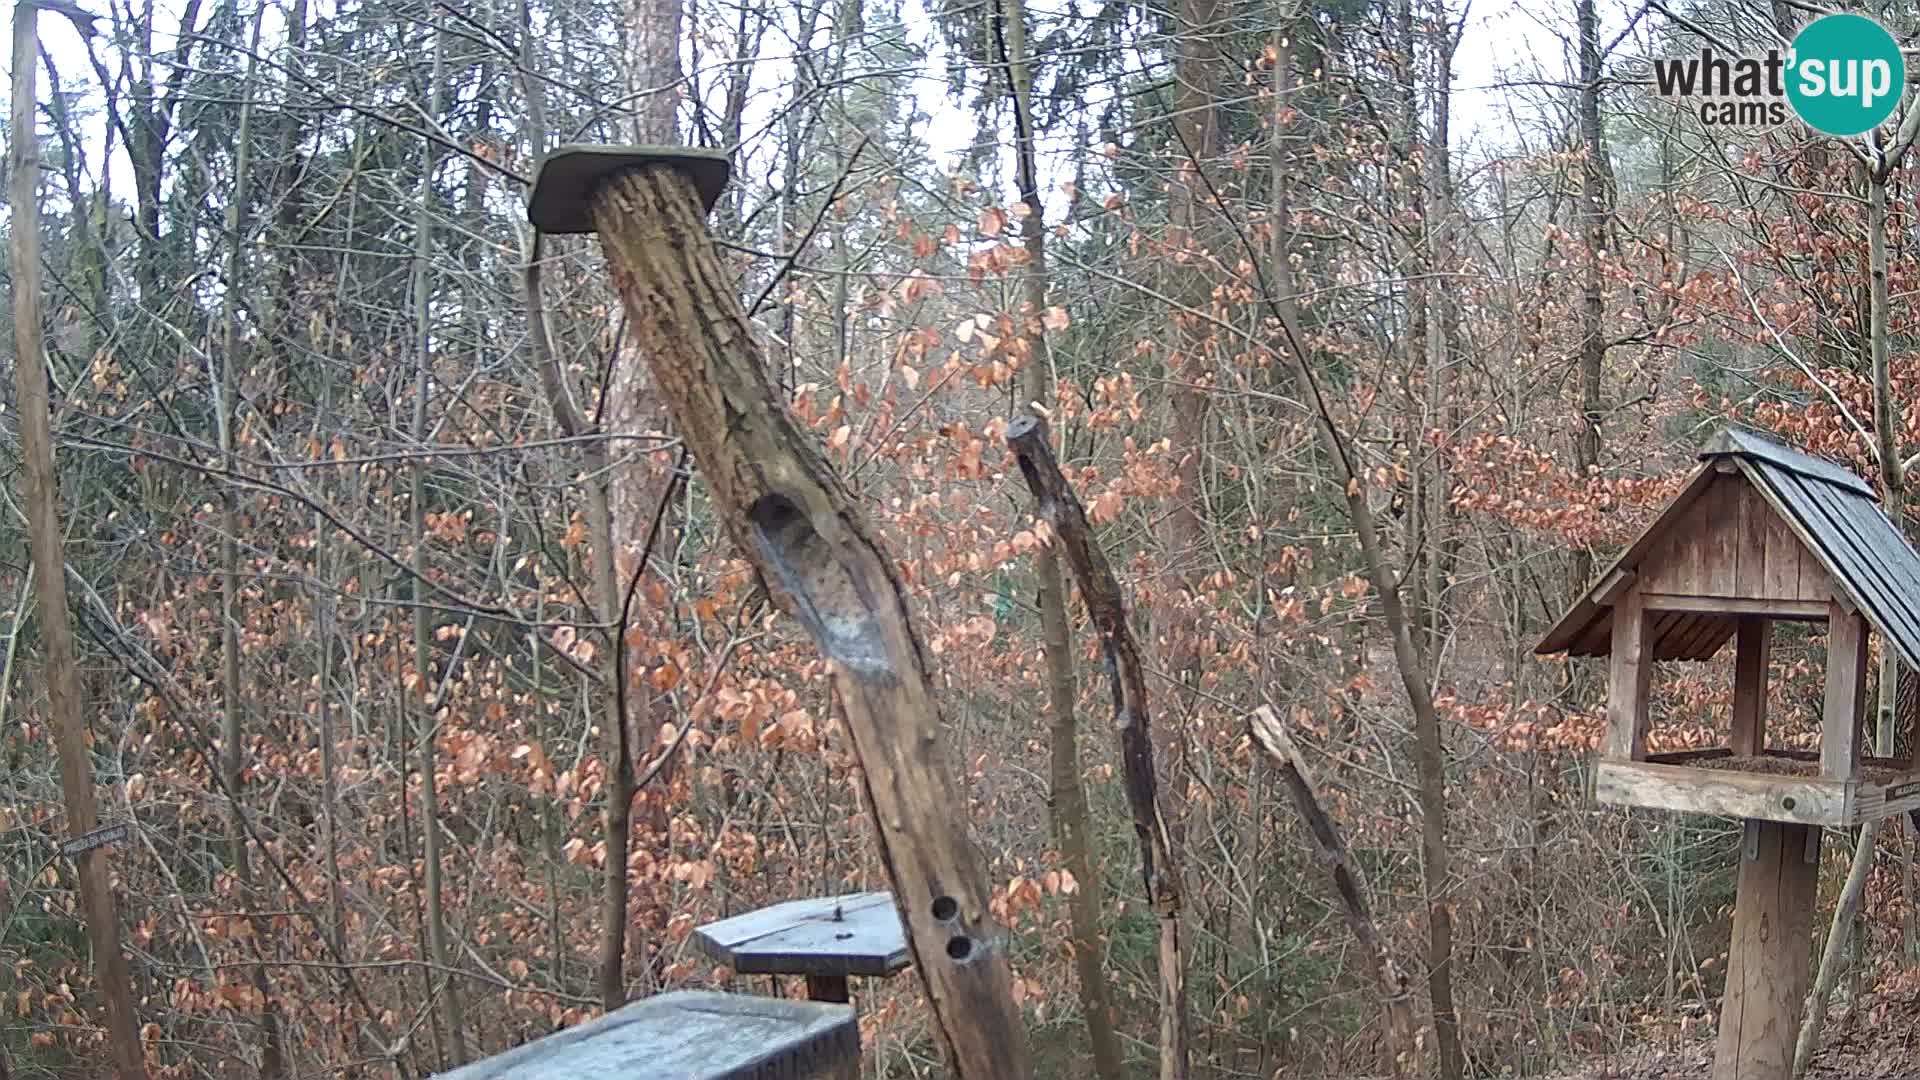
[
  {"x": 826, "y": 939},
  {"x": 1759, "y": 533}
]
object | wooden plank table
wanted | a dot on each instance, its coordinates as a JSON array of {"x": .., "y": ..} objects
[
  {"x": 825, "y": 939},
  {"x": 690, "y": 1035}
]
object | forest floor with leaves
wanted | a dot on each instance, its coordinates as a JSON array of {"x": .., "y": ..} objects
[{"x": 1879, "y": 1041}]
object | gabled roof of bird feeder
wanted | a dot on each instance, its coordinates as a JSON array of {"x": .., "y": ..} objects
[{"x": 1833, "y": 514}]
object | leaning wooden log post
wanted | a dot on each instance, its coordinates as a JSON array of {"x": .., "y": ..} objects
[
  {"x": 1159, "y": 859},
  {"x": 1395, "y": 1000},
  {"x": 788, "y": 512}
]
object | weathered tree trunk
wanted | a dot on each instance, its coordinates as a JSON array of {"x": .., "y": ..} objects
[
  {"x": 41, "y": 492},
  {"x": 1069, "y": 801},
  {"x": 1159, "y": 854},
  {"x": 1395, "y": 1002},
  {"x": 791, "y": 516}
]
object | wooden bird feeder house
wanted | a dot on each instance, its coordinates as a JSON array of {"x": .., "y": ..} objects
[{"x": 1759, "y": 534}]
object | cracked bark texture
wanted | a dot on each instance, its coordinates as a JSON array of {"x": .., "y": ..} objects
[{"x": 788, "y": 512}]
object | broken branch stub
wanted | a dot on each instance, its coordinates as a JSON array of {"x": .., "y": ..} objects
[
  {"x": 1396, "y": 1002},
  {"x": 788, "y": 512},
  {"x": 1159, "y": 861}
]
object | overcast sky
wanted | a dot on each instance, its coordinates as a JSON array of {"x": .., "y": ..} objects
[{"x": 1505, "y": 41}]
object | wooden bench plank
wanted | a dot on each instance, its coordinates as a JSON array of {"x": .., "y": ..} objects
[{"x": 690, "y": 1035}]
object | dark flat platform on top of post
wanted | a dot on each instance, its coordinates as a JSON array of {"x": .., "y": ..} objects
[
  {"x": 564, "y": 183},
  {"x": 689, "y": 1035}
]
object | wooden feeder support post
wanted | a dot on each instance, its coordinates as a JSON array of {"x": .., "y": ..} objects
[
  {"x": 1768, "y": 958},
  {"x": 787, "y": 511}
]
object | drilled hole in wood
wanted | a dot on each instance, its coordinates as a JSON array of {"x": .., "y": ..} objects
[
  {"x": 827, "y": 599},
  {"x": 945, "y": 907},
  {"x": 960, "y": 948}
]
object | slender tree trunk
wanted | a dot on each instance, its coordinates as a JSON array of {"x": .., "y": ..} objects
[
  {"x": 806, "y": 12},
  {"x": 329, "y": 767},
  {"x": 1892, "y": 473},
  {"x": 232, "y": 731},
  {"x": 1409, "y": 133},
  {"x": 41, "y": 493},
  {"x": 1593, "y": 215},
  {"x": 1070, "y": 816},
  {"x": 1429, "y": 747},
  {"x": 1832, "y": 958},
  {"x": 621, "y": 495},
  {"x": 324, "y": 633},
  {"x": 425, "y": 699},
  {"x": 1430, "y": 750},
  {"x": 617, "y": 814},
  {"x": 1184, "y": 532},
  {"x": 1441, "y": 405},
  {"x": 1847, "y": 925}
]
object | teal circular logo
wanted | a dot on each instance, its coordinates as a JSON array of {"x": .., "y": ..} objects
[{"x": 1845, "y": 74}]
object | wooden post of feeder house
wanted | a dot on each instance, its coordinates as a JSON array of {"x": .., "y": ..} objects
[
  {"x": 789, "y": 515},
  {"x": 1779, "y": 869}
]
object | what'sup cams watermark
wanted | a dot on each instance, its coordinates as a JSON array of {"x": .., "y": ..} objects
[{"x": 1843, "y": 75}]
